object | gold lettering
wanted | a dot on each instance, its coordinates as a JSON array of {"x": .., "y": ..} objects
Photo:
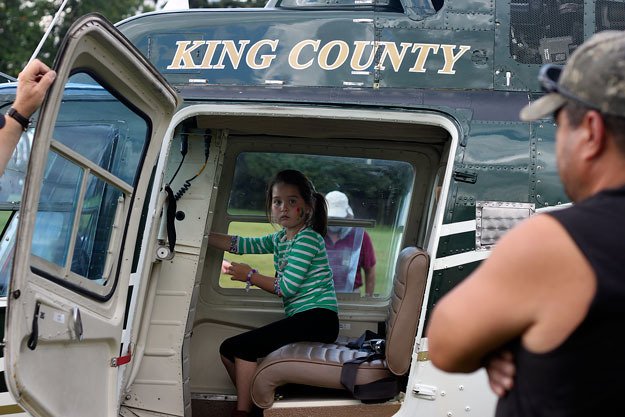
[
  {"x": 265, "y": 60},
  {"x": 183, "y": 58},
  {"x": 424, "y": 51},
  {"x": 340, "y": 58},
  {"x": 396, "y": 57},
  {"x": 233, "y": 53},
  {"x": 359, "y": 51},
  {"x": 297, "y": 50},
  {"x": 450, "y": 58},
  {"x": 211, "y": 47}
]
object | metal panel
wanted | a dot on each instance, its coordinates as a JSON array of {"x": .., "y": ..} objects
[{"x": 494, "y": 218}]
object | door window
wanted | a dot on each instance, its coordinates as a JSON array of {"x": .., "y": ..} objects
[{"x": 87, "y": 185}]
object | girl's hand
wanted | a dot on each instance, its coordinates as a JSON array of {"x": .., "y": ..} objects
[
  {"x": 238, "y": 271},
  {"x": 224, "y": 266}
]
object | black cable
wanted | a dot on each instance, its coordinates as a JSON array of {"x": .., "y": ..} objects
[
  {"x": 187, "y": 183},
  {"x": 178, "y": 169},
  {"x": 184, "y": 148}
]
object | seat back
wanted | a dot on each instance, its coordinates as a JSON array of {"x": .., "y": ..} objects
[{"x": 405, "y": 308}]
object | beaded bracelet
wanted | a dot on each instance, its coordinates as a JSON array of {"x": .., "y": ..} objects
[
  {"x": 276, "y": 287},
  {"x": 248, "y": 281},
  {"x": 234, "y": 244}
]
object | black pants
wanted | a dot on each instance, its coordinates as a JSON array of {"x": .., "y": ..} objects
[{"x": 316, "y": 325}]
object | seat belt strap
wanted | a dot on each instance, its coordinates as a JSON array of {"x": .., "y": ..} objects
[{"x": 382, "y": 389}]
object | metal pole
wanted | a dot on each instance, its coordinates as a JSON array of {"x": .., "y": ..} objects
[{"x": 45, "y": 35}]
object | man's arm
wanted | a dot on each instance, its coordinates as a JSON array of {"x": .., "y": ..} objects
[
  {"x": 33, "y": 83},
  {"x": 369, "y": 280},
  {"x": 367, "y": 262},
  {"x": 520, "y": 291}
]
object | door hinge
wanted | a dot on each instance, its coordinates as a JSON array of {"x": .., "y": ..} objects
[
  {"x": 426, "y": 392},
  {"x": 465, "y": 176}
]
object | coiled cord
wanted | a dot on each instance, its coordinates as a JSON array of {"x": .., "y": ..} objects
[{"x": 187, "y": 184}]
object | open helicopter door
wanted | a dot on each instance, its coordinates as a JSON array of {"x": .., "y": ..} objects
[{"x": 96, "y": 144}]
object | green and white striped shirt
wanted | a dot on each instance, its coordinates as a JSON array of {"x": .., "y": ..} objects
[{"x": 302, "y": 268}]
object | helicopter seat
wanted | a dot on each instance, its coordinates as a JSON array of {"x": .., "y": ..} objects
[{"x": 320, "y": 364}]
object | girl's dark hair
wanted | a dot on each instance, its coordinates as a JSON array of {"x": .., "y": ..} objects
[{"x": 318, "y": 219}]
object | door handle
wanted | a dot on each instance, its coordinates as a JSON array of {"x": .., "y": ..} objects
[
  {"x": 34, "y": 335},
  {"x": 77, "y": 322}
]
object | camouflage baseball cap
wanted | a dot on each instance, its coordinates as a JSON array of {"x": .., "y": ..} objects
[{"x": 593, "y": 76}]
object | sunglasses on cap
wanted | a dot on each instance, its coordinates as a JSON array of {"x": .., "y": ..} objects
[{"x": 549, "y": 75}]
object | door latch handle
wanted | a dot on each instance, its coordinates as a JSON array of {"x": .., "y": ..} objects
[
  {"x": 34, "y": 335},
  {"x": 426, "y": 392},
  {"x": 77, "y": 322}
]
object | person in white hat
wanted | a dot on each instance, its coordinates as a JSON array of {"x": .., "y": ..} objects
[{"x": 350, "y": 250}]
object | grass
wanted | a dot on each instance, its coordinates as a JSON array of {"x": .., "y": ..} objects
[
  {"x": 4, "y": 217},
  {"x": 264, "y": 263}
]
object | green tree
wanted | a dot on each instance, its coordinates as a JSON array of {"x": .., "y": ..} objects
[
  {"x": 226, "y": 3},
  {"x": 24, "y": 23},
  {"x": 376, "y": 187}
]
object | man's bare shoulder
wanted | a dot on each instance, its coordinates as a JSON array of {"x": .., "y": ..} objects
[
  {"x": 537, "y": 236},
  {"x": 507, "y": 295},
  {"x": 561, "y": 281},
  {"x": 536, "y": 249}
]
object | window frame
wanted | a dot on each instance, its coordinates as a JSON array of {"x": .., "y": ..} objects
[
  {"x": 423, "y": 161},
  {"x": 63, "y": 275}
]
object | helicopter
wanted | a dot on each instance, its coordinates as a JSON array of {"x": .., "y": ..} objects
[{"x": 115, "y": 303}]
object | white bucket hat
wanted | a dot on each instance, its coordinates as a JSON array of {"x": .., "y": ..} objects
[{"x": 338, "y": 205}]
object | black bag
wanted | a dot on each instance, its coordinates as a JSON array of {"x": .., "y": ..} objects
[
  {"x": 381, "y": 390},
  {"x": 368, "y": 342}
]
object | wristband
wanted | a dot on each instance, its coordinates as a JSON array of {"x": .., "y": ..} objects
[
  {"x": 276, "y": 287},
  {"x": 19, "y": 118},
  {"x": 234, "y": 244},
  {"x": 248, "y": 281}
]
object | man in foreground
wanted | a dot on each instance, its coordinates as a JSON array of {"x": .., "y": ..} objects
[{"x": 553, "y": 289}]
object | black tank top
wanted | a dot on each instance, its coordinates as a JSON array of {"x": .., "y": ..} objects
[{"x": 585, "y": 375}]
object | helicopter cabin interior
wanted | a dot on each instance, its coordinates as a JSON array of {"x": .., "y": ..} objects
[{"x": 391, "y": 164}]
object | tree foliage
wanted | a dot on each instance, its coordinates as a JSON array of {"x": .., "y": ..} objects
[
  {"x": 375, "y": 187},
  {"x": 24, "y": 23},
  {"x": 225, "y": 3}
]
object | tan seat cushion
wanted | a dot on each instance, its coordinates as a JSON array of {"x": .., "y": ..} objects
[{"x": 310, "y": 363}]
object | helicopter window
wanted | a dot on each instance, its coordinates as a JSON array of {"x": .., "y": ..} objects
[
  {"x": 610, "y": 15},
  {"x": 378, "y": 192},
  {"x": 545, "y": 31}
]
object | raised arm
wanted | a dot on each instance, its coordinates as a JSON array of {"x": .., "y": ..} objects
[
  {"x": 32, "y": 85},
  {"x": 33, "y": 82}
]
